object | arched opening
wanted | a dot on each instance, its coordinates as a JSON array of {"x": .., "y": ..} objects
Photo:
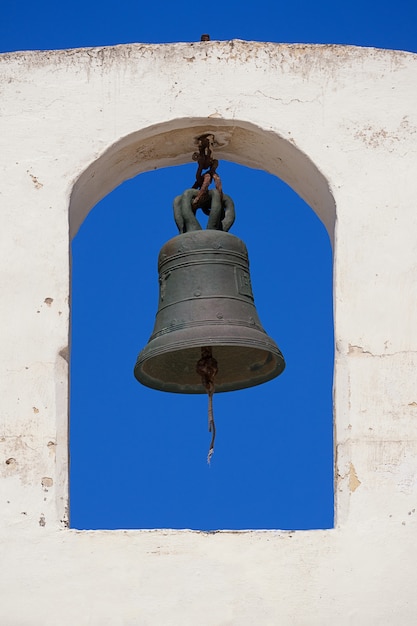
[
  {"x": 274, "y": 456},
  {"x": 169, "y": 143}
]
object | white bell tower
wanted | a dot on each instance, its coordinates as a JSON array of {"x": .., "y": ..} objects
[{"x": 338, "y": 124}]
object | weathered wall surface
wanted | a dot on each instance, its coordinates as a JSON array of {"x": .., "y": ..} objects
[{"x": 339, "y": 124}]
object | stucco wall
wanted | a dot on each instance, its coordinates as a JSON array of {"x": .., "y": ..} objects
[{"x": 339, "y": 124}]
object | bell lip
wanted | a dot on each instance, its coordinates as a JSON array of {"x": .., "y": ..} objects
[{"x": 269, "y": 347}]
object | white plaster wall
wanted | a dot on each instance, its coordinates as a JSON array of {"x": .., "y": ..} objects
[{"x": 340, "y": 125}]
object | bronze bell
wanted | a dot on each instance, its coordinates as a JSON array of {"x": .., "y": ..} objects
[
  {"x": 207, "y": 335},
  {"x": 206, "y": 301}
]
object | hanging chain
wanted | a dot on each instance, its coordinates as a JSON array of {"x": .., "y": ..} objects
[
  {"x": 207, "y": 369},
  {"x": 218, "y": 206},
  {"x": 205, "y": 160}
]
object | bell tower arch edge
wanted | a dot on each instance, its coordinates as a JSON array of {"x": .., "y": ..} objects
[{"x": 171, "y": 143}]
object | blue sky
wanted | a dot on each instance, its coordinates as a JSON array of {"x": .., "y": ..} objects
[
  {"x": 138, "y": 456},
  {"x": 47, "y": 24}
]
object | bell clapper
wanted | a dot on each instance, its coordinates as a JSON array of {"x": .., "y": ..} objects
[
  {"x": 212, "y": 425},
  {"x": 207, "y": 369}
]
